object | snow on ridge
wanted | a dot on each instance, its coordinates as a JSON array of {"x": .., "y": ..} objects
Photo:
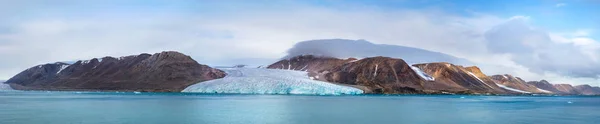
[
  {"x": 471, "y": 73},
  {"x": 62, "y": 67},
  {"x": 545, "y": 91},
  {"x": 512, "y": 89},
  {"x": 269, "y": 81},
  {"x": 422, "y": 74}
]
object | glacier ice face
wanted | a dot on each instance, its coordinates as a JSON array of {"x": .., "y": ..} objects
[
  {"x": 5, "y": 87},
  {"x": 512, "y": 89},
  {"x": 269, "y": 81},
  {"x": 422, "y": 74}
]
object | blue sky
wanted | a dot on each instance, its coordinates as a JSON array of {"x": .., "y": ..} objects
[{"x": 535, "y": 39}]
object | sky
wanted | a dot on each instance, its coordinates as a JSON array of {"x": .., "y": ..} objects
[{"x": 555, "y": 40}]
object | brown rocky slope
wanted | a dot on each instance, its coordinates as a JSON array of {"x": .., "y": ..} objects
[
  {"x": 163, "y": 72},
  {"x": 545, "y": 85},
  {"x": 587, "y": 90},
  {"x": 566, "y": 89},
  {"x": 454, "y": 78},
  {"x": 515, "y": 83},
  {"x": 391, "y": 75},
  {"x": 375, "y": 75}
]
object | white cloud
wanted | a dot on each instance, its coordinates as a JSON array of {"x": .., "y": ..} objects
[{"x": 560, "y": 4}]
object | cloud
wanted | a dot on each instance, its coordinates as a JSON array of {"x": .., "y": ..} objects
[
  {"x": 343, "y": 48},
  {"x": 560, "y": 4},
  {"x": 541, "y": 53}
]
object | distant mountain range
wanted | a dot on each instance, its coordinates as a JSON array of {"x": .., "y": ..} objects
[
  {"x": 394, "y": 76},
  {"x": 347, "y": 64}
]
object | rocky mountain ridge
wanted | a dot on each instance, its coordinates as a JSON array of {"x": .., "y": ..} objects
[
  {"x": 163, "y": 72},
  {"x": 392, "y": 76}
]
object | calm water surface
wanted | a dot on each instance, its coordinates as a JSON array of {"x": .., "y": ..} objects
[{"x": 152, "y": 108}]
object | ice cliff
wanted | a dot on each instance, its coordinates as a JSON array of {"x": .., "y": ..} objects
[{"x": 269, "y": 81}]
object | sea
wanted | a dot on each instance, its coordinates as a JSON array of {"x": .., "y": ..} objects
[{"x": 27, "y": 107}]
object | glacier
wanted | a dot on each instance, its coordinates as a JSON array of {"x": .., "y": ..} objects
[
  {"x": 269, "y": 81},
  {"x": 5, "y": 87},
  {"x": 512, "y": 89},
  {"x": 422, "y": 74}
]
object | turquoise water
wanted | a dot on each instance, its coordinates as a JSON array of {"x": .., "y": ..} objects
[{"x": 152, "y": 108}]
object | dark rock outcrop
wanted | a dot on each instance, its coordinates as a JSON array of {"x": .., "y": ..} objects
[
  {"x": 515, "y": 83},
  {"x": 587, "y": 90},
  {"x": 163, "y": 72},
  {"x": 566, "y": 89},
  {"x": 453, "y": 78}
]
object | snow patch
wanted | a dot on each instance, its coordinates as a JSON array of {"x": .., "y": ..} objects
[
  {"x": 512, "y": 89},
  {"x": 62, "y": 67},
  {"x": 375, "y": 73},
  {"x": 422, "y": 74},
  {"x": 470, "y": 73},
  {"x": 545, "y": 91},
  {"x": 269, "y": 81}
]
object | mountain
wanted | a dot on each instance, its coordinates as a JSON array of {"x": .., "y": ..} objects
[
  {"x": 373, "y": 75},
  {"x": 516, "y": 84},
  {"x": 164, "y": 72},
  {"x": 391, "y": 75},
  {"x": 545, "y": 85},
  {"x": 566, "y": 89},
  {"x": 343, "y": 48},
  {"x": 587, "y": 90},
  {"x": 454, "y": 78}
]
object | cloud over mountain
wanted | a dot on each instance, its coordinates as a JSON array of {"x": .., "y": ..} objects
[
  {"x": 342, "y": 48},
  {"x": 535, "y": 49}
]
